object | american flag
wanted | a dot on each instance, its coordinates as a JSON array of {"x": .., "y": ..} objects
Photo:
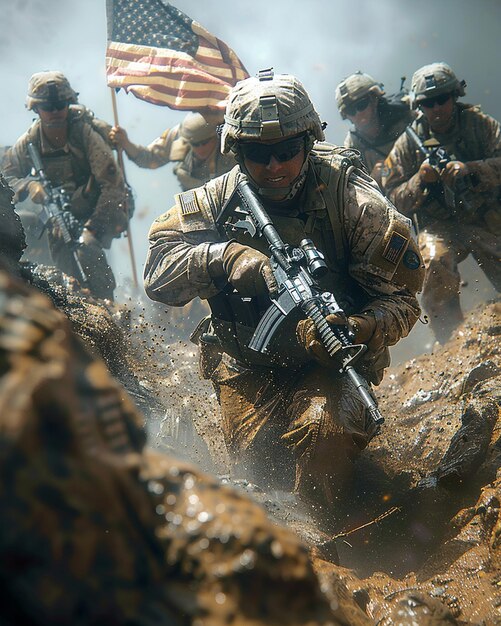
[{"x": 161, "y": 55}]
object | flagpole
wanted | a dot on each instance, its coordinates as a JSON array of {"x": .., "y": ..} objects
[{"x": 120, "y": 158}]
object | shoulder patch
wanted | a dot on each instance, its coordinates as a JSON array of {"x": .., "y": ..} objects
[
  {"x": 411, "y": 260},
  {"x": 395, "y": 247},
  {"x": 188, "y": 201}
]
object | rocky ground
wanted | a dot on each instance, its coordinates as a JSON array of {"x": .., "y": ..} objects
[
  {"x": 427, "y": 490},
  {"x": 431, "y": 479}
]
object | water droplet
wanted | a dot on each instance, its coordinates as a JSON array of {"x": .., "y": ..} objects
[
  {"x": 160, "y": 509},
  {"x": 220, "y": 598},
  {"x": 174, "y": 471},
  {"x": 204, "y": 516},
  {"x": 247, "y": 559},
  {"x": 277, "y": 550},
  {"x": 171, "y": 499}
]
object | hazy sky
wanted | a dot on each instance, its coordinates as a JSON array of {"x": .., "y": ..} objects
[{"x": 321, "y": 41}]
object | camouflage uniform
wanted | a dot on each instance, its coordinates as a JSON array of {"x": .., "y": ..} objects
[
  {"x": 87, "y": 170},
  {"x": 393, "y": 118},
  {"x": 174, "y": 146},
  {"x": 281, "y": 403},
  {"x": 99, "y": 530},
  {"x": 446, "y": 239}
]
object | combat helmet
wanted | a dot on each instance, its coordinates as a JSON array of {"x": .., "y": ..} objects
[
  {"x": 267, "y": 107},
  {"x": 49, "y": 86},
  {"x": 195, "y": 129},
  {"x": 353, "y": 88},
  {"x": 433, "y": 80}
]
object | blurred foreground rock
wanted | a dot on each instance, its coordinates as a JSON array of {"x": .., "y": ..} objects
[{"x": 99, "y": 529}]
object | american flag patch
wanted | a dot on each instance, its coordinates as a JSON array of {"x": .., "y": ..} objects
[
  {"x": 189, "y": 203},
  {"x": 395, "y": 247}
]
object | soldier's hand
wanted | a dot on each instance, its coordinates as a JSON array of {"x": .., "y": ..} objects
[
  {"x": 37, "y": 192},
  {"x": 119, "y": 138},
  {"x": 363, "y": 327},
  {"x": 248, "y": 270},
  {"x": 453, "y": 171},
  {"x": 87, "y": 238},
  {"x": 428, "y": 174}
]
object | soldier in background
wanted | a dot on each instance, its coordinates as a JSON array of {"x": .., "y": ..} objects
[
  {"x": 288, "y": 408},
  {"x": 377, "y": 121},
  {"x": 193, "y": 146},
  {"x": 472, "y": 224},
  {"x": 75, "y": 157}
]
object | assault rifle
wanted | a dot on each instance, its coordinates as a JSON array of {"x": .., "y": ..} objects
[
  {"x": 296, "y": 271},
  {"x": 438, "y": 157},
  {"x": 56, "y": 210}
]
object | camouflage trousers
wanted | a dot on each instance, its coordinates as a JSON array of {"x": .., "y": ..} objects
[
  {"x": 444, "y": 246},
  {"x": 284, "y": 429}
]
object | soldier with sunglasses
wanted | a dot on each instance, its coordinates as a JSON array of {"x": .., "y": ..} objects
[
  {"x": 193, "y": 146},
  {"x": 377, "y": 121},
  {"x": 74, "y": 157},
  {"x": 472, "y": 141},
  {"x": 288, "y": 415}
]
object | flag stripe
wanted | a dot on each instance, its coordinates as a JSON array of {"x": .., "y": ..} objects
[
  {"x": 158, "y": 59},
  {"x": 172, "y": 86},
  {"x": 179, "y": 101}
]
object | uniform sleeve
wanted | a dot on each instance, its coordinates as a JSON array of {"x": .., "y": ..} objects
[
  {"x": 178, "y": 264},
  {"x": 157, "y": 153},
  {"x": 487, "y": 172},
  {"x": 384, "y": 259},
  {"x": 16, "y": 167},
  {"x": 400, "y": 179},
  {"x": 109, "y": 218}
]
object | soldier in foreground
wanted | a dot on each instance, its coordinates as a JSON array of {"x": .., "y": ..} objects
[
  {"x": 448, "y": 175},
  {"x": 376, "y": 121},
  {"x": 193, "y": 146},
  {"x": 81, "y": 172},
  {"x": 288, "y": 406}
]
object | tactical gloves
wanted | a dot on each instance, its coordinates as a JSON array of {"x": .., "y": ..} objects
[
  {"x": 37, "y": 192},
  {"x": 248, "y": 270},
  {"x": 363, "y": 326}
]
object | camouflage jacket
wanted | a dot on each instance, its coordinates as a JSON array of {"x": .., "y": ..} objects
[
  {"x": 393, "y": 120},
  {"x": 86, "y": 168},
  {"x": 372, "y": 259},
  {"x": 190, "y": 171},
  {"x": 474, "y": 139}
]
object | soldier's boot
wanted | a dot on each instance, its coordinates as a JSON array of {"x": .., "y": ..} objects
[{"x": 441, "y": 299}]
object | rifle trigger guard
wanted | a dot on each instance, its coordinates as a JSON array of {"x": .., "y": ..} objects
[{"x": 354, "y": 352}]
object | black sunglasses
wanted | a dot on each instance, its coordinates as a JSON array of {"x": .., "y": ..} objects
[
  {"x": 282, "y": 151},
  {"x": 356, "y": 107},
  {"x": 52, "y": 106},
  {"x": 429, "y": 103}
]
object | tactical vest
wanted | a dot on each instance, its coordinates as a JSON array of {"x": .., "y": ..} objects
[
  {"x": 234, "y": 319},
  {"x": 71, "y": 169}
]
